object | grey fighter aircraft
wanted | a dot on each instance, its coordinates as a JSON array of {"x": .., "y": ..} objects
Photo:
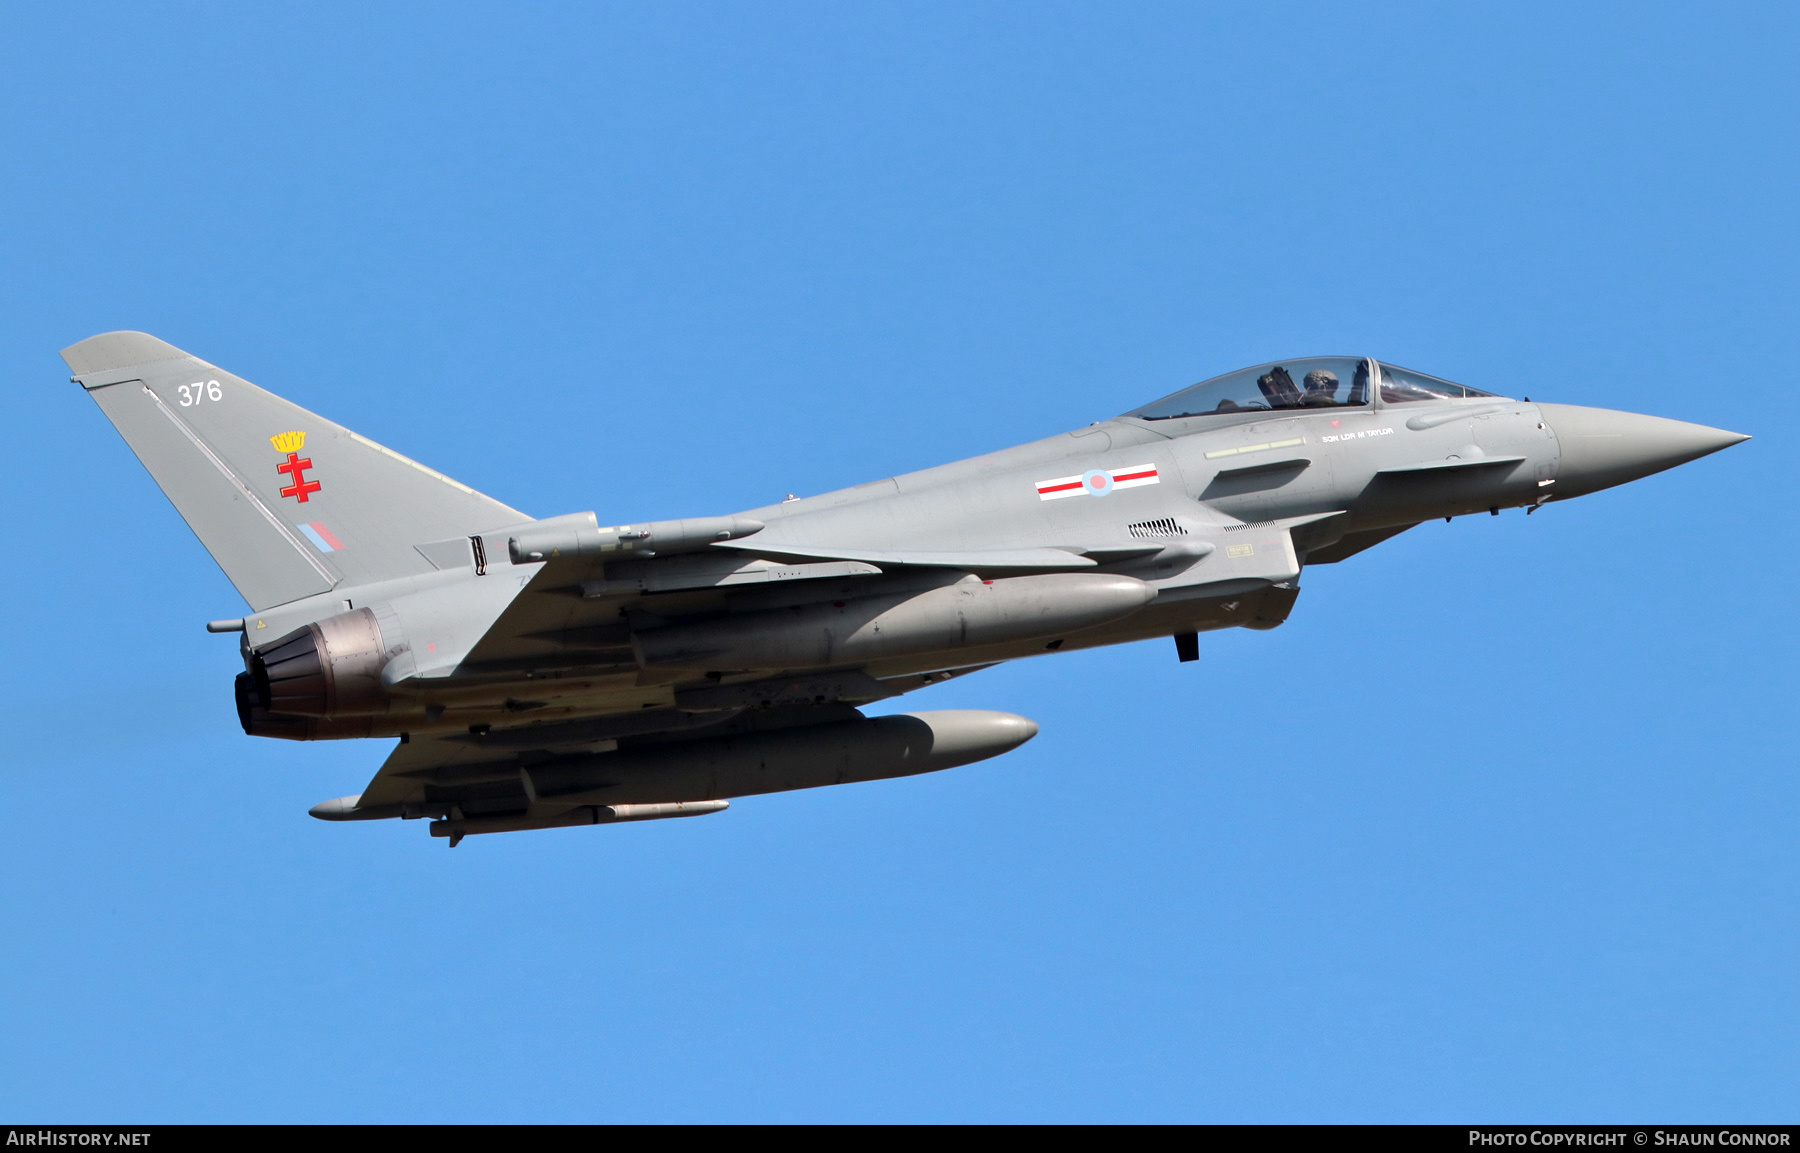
[{"x": 546, "y": 673}]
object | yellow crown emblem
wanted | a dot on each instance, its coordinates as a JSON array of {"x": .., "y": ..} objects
[{"x": 288, "y": 441}]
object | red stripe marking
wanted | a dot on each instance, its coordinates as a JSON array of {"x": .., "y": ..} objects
[
  {"x": 334, "y": 542},
  {"x": 1059, "y": 487},
  {"x": 1133, "y": 475}
]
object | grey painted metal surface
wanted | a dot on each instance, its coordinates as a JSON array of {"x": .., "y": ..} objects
[{"x": 565, "y": 671}]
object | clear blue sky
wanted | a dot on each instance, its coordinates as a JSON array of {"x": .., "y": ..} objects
[{"x": 1501, "y": 825}]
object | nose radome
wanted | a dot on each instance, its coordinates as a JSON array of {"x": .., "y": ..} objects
[{"x": 1601, "y": 448}]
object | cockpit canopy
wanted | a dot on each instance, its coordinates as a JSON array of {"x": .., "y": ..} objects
[{"x": 1309, "y": 382}]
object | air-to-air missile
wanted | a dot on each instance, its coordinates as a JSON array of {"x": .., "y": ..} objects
[{"x": 557, "y": 672}]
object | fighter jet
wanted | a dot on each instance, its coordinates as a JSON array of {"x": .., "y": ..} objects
[{"x": 557, "y": 672}]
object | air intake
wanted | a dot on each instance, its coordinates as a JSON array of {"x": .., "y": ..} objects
[{"x": 1165, "y": 526}]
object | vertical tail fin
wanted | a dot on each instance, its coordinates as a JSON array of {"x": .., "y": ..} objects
[{"x": 287, "y": 502}]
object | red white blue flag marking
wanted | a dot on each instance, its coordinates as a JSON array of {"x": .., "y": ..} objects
[
  {"x": 1097, "y": 482},
  {"x": 321, "y": 536}
]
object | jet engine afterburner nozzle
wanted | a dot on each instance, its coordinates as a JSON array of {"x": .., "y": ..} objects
[{"x": 331, "y": 668}]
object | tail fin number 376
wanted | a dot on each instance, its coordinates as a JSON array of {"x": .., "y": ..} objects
[{"x": 192, "y": 394}]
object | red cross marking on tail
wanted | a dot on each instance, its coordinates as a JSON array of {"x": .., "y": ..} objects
[{"x": 296, "y": 469}]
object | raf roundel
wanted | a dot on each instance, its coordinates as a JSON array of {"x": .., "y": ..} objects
[{"x": 1097, "y": 481}]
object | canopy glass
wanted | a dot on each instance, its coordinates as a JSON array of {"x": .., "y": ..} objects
[{"x": 1307, "y": 383}]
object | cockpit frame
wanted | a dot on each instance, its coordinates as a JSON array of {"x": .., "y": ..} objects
[{"x": 1262, "y": 391}]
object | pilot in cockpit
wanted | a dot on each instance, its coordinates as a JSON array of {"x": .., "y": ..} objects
[{"x": 1321, "y": 389}]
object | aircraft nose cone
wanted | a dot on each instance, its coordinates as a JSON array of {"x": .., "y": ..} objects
[{"x": 1601, "y": 448}]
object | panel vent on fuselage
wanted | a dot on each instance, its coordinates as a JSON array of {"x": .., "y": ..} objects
[{"x": 1164, "y": 526}]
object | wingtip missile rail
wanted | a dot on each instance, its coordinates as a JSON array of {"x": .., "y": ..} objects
[{"x": 457, "y": 829}]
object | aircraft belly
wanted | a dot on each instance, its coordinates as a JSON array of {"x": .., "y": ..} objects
[{"x": 1261, "y": 608}]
